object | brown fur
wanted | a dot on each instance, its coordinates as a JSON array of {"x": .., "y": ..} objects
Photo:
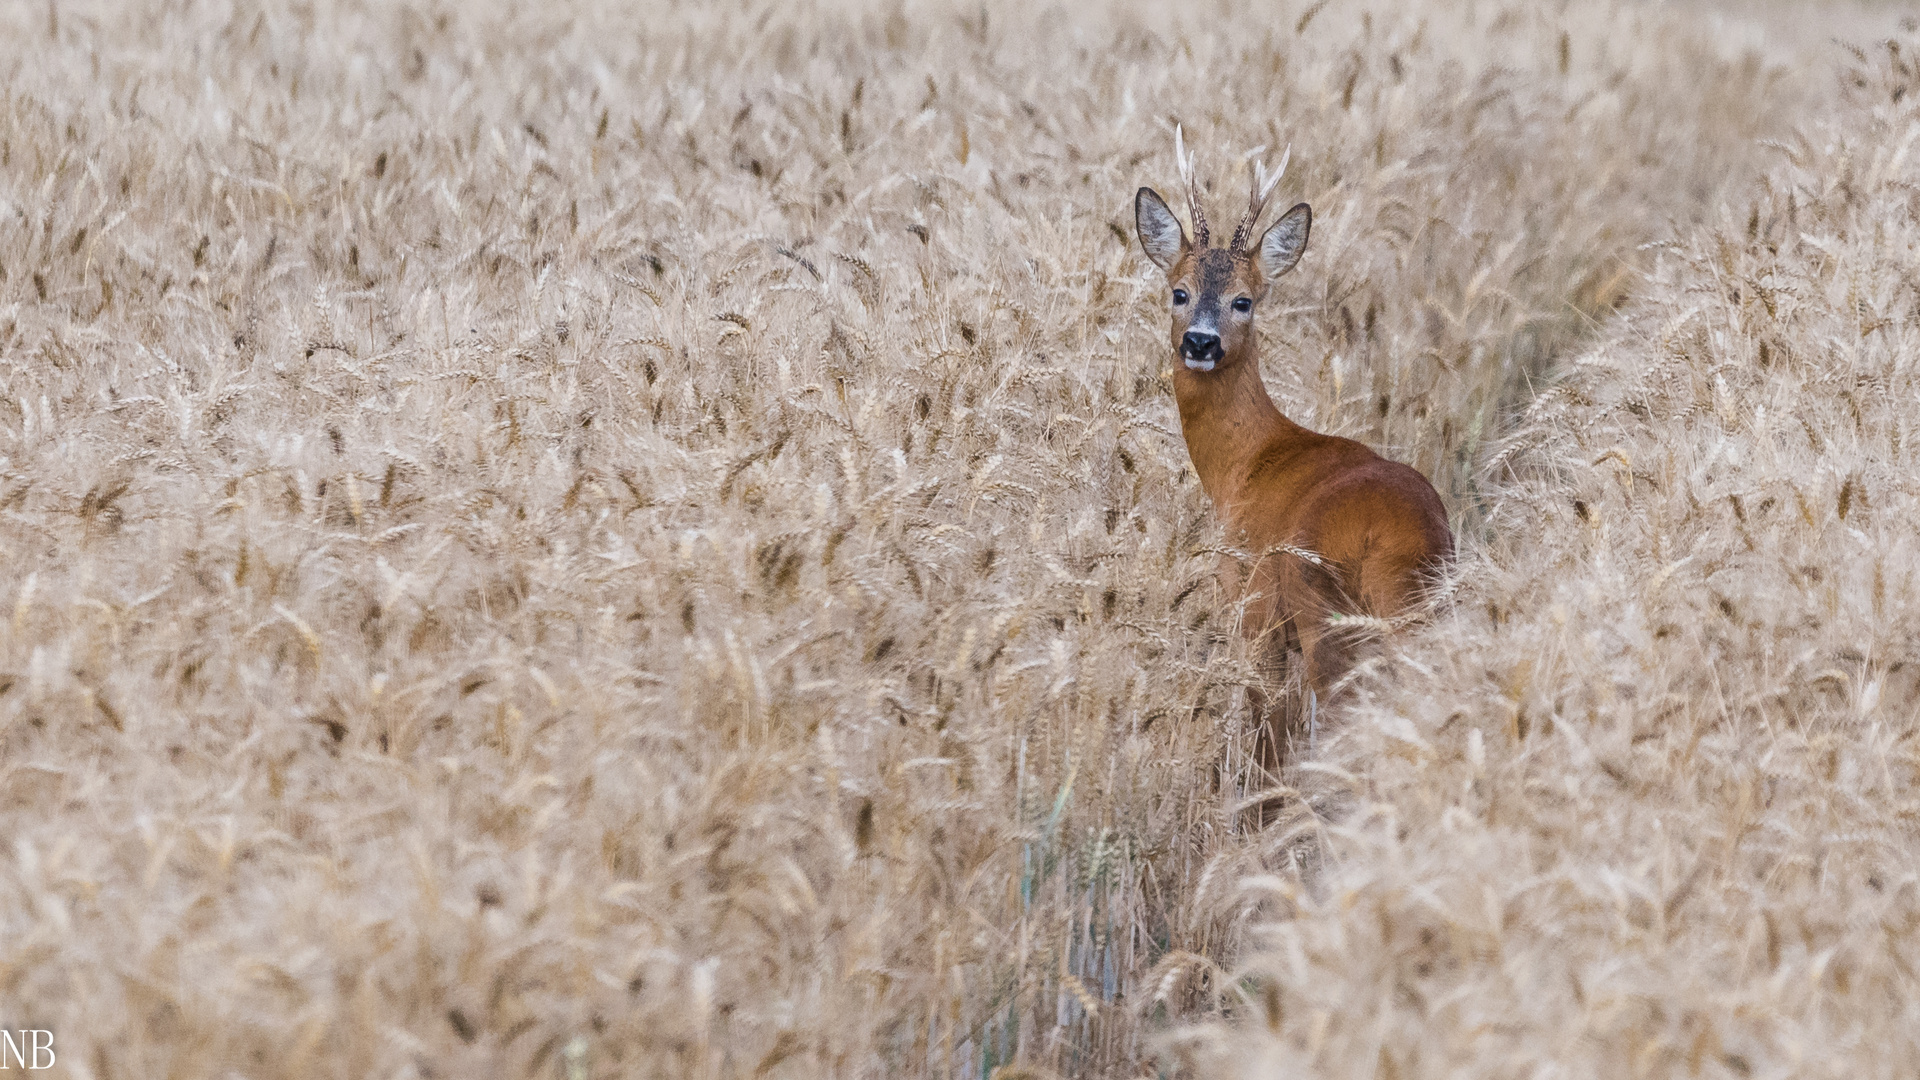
[{"x": 1328, "y": 526}]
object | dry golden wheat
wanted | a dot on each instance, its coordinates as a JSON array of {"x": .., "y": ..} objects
[{"x": 607, "y": 540}]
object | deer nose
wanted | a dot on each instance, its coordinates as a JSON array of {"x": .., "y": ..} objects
[{"x": 1200, "y": 345}]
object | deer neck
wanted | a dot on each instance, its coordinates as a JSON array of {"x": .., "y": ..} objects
[{"x": 1228, "y": 420}]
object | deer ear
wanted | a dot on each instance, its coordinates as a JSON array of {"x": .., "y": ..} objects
[
  {"x": 1280, "y": 248},
  {"x": 1161, "y": 236}
]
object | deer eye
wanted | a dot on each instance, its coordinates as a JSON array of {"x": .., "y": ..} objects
[
  {"x": 1179, "y": 296},
  {"x": 1243, "y": 304}
]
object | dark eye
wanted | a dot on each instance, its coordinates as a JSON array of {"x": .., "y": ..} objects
[
  {"x": 1243, "y": 305},
  {"x": 1179, "y": 296}
]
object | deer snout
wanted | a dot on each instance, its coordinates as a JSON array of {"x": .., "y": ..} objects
[{"x": 1200, "y": 349}]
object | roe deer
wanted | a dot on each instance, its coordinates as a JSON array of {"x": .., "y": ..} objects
[{"x": 1330, "y": 527}]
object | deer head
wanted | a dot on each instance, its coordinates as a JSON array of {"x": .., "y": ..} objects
[{"x": 1216, "y": 289}]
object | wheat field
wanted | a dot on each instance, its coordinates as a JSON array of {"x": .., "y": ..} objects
[{"x": 593, "y": 540}]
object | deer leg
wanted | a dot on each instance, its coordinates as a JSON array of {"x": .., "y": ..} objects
[
  {"x": 1328, "y": 654},
  {"x": 1278, "y": 723},
  {"x": 1276, "y": 712},
  {"x": 1271, "y": 748},
  {"x": 1269, "y": 729}
]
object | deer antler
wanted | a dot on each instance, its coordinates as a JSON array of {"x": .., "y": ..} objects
[
  {"x": 1263, "y": 186},
  {"x": 1185, "y": 161}
]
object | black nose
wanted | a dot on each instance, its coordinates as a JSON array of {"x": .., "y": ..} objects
[{"x": 1199, "y": 345}]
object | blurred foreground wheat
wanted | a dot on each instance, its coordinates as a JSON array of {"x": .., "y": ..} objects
[{"x": 584, "y": 541}]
